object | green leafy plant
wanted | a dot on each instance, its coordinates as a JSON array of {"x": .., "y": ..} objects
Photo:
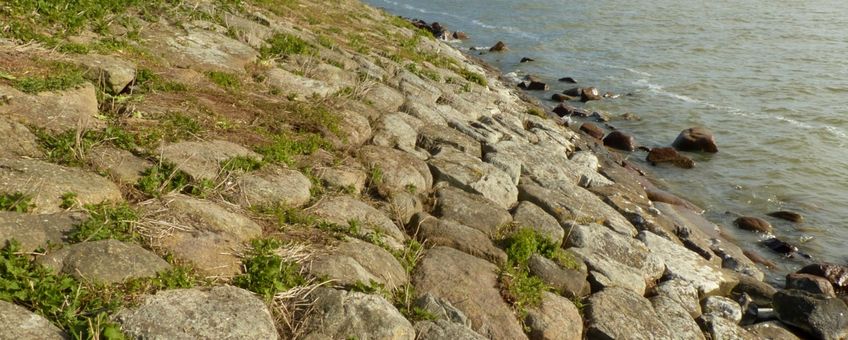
[
  {"x": 17, "y": 202},
  {"x": 241, "y": 163},
  {"x": 163, "y": 178},
  {"x": 283, "y": 44},
  {"x": 107, "y": 221},
  {"x": 223, "y": 79},
  {"x": 265, "y": 272},
  {"x": 69, "y": 200},
  {"x": 284, "y": 147}
]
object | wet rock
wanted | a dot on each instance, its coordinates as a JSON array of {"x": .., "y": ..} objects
[
  {"x": 676, "y": 318},
  {"x": 836, "y": 274},
  {"x": 354, "y": 261},
  {"x": 589, "y": 94},
  {"x": 682, "y": 293},
  {"x": 620, "y": 140},
  {"x": 471, "y": 210},
  {"x": 571, "y": 204},
  {"x": 618, "y": 313},
  {"x": 111, "y": 73},
  {"x": 772, "y": 330},
  {"x": 35, "y": 231},
  {"x": 753, "y": 224},
  {"x": 18, "y": 140},
  {"x": 441, "y": 309},
  {"x": 121, "y": 165},
  {"x": 719, "y": 328},
  {"x": 217, "y": 313},
  {"x": 473, "y": 175},
  {"x": 47, "y": 182},
  {"x": 499, "y": 47},
  {"x": 757, "y": 258},
  {"x": 723, "y": 307},
  {"x": 203, "y": 160},
  {"x": 695, "y": 139},
  {"x": 820, "y": 316},
  {"x": 657, "y": 195},
  {"x": 460, "y": 35},
  {"x": 600, "y": 117},
  {"x": 434, "y": 138},
  {"x": 19, "y": 323},
  {"x": 526, "y": 60},
  {"x": 55, "y": 112},
  {"x": 469, "y": 284},
  {"x": 592, "y": 130},
  {"x": 529, "y": 215},
  {"x": 555, "y": 318},
  {"x": 630, "y": 116},
  {"x": 533, "y": 84},
  {"x": 750, "y": 310},
  {"x": 566, "y": 110},
  {"x": 569, "y": 282},
  {"x": 760, "y": 292},
  {"x": 780, "y": 246},
  {"x": 342, "y": 210},
  {"x": 683, "y": 264},
  {"x": 452, "y": 234},
  {"x": 669, "y": 155},
  {"x": 810, "y": 283},
  {"x": 568, "y": 80},
  {"x": 574, "y": 92},
  {"x": 399, "y": 170},
  {"x": 787, "y": 215},
  {"x": 272, "y": 186},
  {"x": 559, "y": 97},
  {"x": 443, "y": 330},
  {"x": 107, "y": 261}
]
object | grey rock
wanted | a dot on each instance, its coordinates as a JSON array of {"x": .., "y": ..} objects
[
  {"x": 531, "y": 216},
  {"x": 571, "y": 204},
  {"x": 772, "y": 330},
  {"x": 221, "y": 312},
  {"x": 555, "y": 318},
  {"x": 508, "y": 164},
  {"x": 469, "y": 284},
  {"x": 202, "y": 49},
  {"x": 354, "y": 261},
  {"x": 203, "y": 160},
  {"x": 682, "y": 293},
  {"x": 300, "y": 86},
  {"x": 35, "y": 231},
  {"x": 112, "y": 73},
  {"x": 683, "y": 264},
  {"x": 402, "y": 206},
  {"x": 471, "y": 210},
  {"x": 433, "y": 231},
  {"x": 719, "y": 328},
  {"x": 342, "y": 210},
  {"x": 339, "y": 314},
  {"x": 211, "y": 253},
  {"x": 423, "y": 112},
  {"x": 209, "y": 216},
  {"x": 445, "y": 330},
  {"x": 17, "y": 322},
  {"x": 441, "y": 309},
  {"x": 400, "y": 171},
  {"x": 55, "y": 112},
  {"x": 818, "y": 315},
  {"x": 106, "y": 261},
  {"x": 270, "y": 187},
  {"x": 397, "y": 130},
  {"x": 723, "y": 307},
  {"x": 247, "y": 30},
  {"x": 473, "y": 175},
  {"x": 586, "y": 164},
  {"x": 618, "y": 313},
  {"x": 385, "y": 98},
  {"x": 353, "y": 131},
  {"x": 570, "y": 282},
  {"x": 343, "y": 178},
  {"x": 676, "y": 318},
  {"x": 18, "y": 140},
  {"x": 47, "y": 182},
  {"x": 121, "y": 165},
  {"x": 435, "y": 137}
]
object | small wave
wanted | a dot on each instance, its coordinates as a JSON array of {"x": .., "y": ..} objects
[
  {"x": 659, "y": 90},
  {"x": 619, "y": 67}
]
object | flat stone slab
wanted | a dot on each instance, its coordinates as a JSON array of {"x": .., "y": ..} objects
[
  {"x": 434, "y": 138},
  {"x": 55, "y": 112},
  {"x": 18, "y": 140},
  {"x": 617, "y": 313},
  {"x": 121, "y": 165},
  {"x": 676, "y": 318},
  {"x": 555, "y": 318},
  {"x": 203, "y": 50},
  {"x": 338, "y": 314},
  {"x": 272, "y": 186},
  {"x": 473, "y": 175},
  {"x": 47, "y": 182},
  {"x": 435, "y": 232},
  {"x": 683, "y": 264},
  {"x": 106, "y": 261},
  {"x": 471, "y": 210},
  {"x": 571, "y": 204},
  {"x": 342, "y": 210},
  {"x": 529, "y": 215},
  {"x": 399, "y": 170},
  {"x": 203, "y": 160},
  {"x": 206, "y": 215},
  {"x": 18, "y": 322},
  {"x": 35, "y": 231},
  {"x": 223, "y": 312}
]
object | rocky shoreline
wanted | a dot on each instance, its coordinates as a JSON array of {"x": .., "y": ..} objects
[{"x": 330, "y": 171}]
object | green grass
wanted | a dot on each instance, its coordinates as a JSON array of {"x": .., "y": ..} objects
[
  {"x": 69, "y": 200},
  {"x": 225, "y": 80},
  {"x": 241, "y": 164},
  {"x": 473, "y": 77},
  {"x": 283, "y": 44},
  {"x": 423, "y": 72},
  {"x": 285, "y": 147},
  {"x": 148, "y": 81},
  {"x": 107, "y": 221},
  {"x": 72, "y": 147},
  {"x": 177, "y": 126},
  {"x": 521, "y": 289},
  {"x": 17, "y": 202},
  {"x": 375, "y": 176},
  {"x": 63, "y": 76},
  {"x": 164, "y": 178},
  {"x": 265, "y": 272}
]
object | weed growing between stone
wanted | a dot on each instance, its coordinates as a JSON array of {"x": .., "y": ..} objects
[
  {"x": 17, "y": 202},
  {"x": 62, "y": 76},
  {"x": 147, "y": 81},
  {"x": 285, "y": 147},
  {"x": 225, "y": 80},
  {"x": 242, "y": 164},
  {"x": 69, "y": 200},
  {"x": 107, "y": 221},
  {"x": 281, "y": 45},
  {"x": 165, "y": 178},
  {"x": 265, "y": 272},
  {"x": 72, "y": 147}
]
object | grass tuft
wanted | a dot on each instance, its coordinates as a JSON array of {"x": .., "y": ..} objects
[
  {"x": 267, "y": 273},
  {"x": 282, "y": 44},
  {"x": 63, "y": 76},
  {"x": 17, "y": 202},
  {"x": 284, "y": 147},
  {"x": 225, "y": 80},
  {"x": 107, "y": 221},
  {"x": 242, "y": 164}
]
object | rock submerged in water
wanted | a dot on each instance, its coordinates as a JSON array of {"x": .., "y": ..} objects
[
  {"x": 669, "y": 155},
  {"x": 696, "y": 139},
  {"x": 589, "y": 94},
  {"x": 564, "y": 110},
  {"x": 568, "y": 80},
  {"x": 533, "y": 83},
  {"x": 573, "y": 92},
  {"x": 559, "y": 97},
  {"x": 526, "y": 60},
  {"x": 753, "y": 224},
  {"x": 620, "y": 140},
  {"x": 500, "y": 46},
  {"x": 787, "y": 215}
]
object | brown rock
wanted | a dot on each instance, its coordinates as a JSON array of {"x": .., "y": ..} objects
[
  {"x": 589, "y": 94},
  {"x": 657, "y": 195},
  {"x": 592, "y": 130},
  {"x": 499, "y": 47},
  {"x": 620, "y": 140},
  {"x": 559, "y": 97},
  {"x": 696, "y": 139},
  {"x": 836, "y": 274},
  {"x": 564, "y": 109},
  {"x": 810, "y": 283},
  {"x": 460, "y": 35},
  {"x": 787, "y": 215},
  {"x": 574, "y": 92},
  {"x": 669, "y": 155},
  {"x": 753, "y": 224},
  {"x": 568, "y": 80}
]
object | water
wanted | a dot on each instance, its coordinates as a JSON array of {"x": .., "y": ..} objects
[{"x": 769, "y": 79}]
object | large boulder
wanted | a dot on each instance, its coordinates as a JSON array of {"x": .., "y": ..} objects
[
  {"x": 337, "y": 314},
  {"x": 669, "y": 155},
  {"x": 203, "y": 160},
  {"x": 209, "y": 216},
  {"x": 676, "y": 318},
  {"x": 344, "y": 210},
  {"x": 529, "y": 215},
  {"x": 434, "y": 138},
  {"x": 448, "y": 233},
  {"x": 106, "y": 261},
  {"x": 555, "y": 318},
  {"x": 682, "y": 293},
  {"x": 621, "y": 141},
  {"x": 723, "y": 307},
  {"x": 471, "y": 285},
  {"x": 571, "y": 204},
  {"x": 618, "y": 313},
  {"x": 753, "y": 224},
  {"x": 836, "y": 274},
  {"x": 683, "y": 264},
  {"x": 695, "y": 139},
  {"x": 820, "y": 316},
  {"x": 272, "y": 186},
  {"x": 222, "y": 312},
  {"x": 17, "y": 322},
  {"x": 47, "y": 182},
  {"x": 772, "y": 330},
  {"x": 471, "y": 210},
  {"x": 569, "y": 282},
  {"x": 354, "y": 261},
  {"x": 719, "y": 328},
  {"x": 35, "y": 231},
  {"x": 473, "y": 175},
  {"x": 810, "y": 283},
  {"x": 55, "y": 112},
  {"x": 200, "y": 49},
  {"x": 398, "y": 170}
]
